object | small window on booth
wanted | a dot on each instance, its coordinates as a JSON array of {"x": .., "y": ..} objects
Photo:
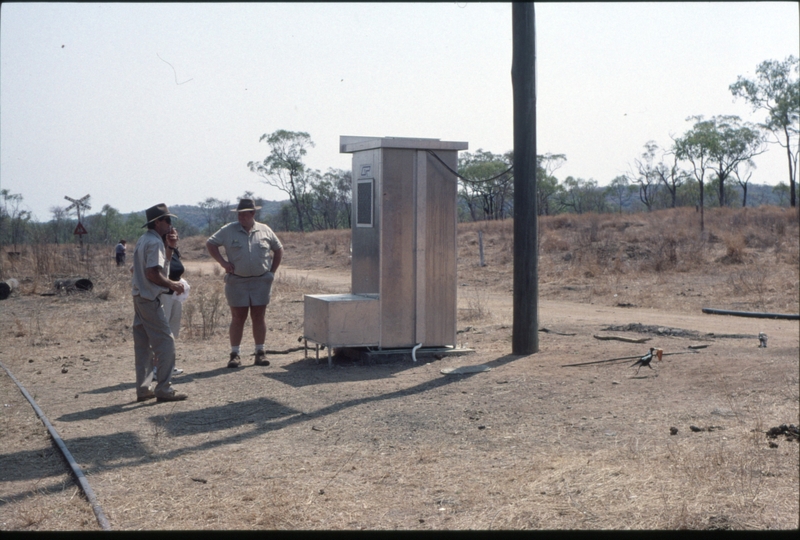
[{"x": 364, "y": 211}]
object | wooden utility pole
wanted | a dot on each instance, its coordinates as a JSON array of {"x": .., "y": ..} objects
[{"x": 525, "y": 333}]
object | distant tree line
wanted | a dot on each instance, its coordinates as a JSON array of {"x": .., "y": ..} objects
[
  {"x": 709, "y": 165},
  {"x": 715, "y": 153}
]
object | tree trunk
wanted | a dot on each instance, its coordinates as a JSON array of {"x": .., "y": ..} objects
[
  {"x": 702, "y": 193},
  {"x": 792, "y": 172}
]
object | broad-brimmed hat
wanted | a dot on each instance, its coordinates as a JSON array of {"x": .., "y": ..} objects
[
  {"x": 157, "y": 211},
  {"x": 246, "y": 205}
]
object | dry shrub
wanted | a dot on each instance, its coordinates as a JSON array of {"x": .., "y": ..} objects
[
  {"x": 752, "y": 280},
  {"x": 293, "y": 287},
  {"x": 552, "y": 242},
  {"x": 561, "y": 221},
  {"x": 477, "y": 306},
  {"x": 209, "y": 307},
  {"x": 666, "y": 254},
  {"x": 735, "y": 245},
  {"x": 194, "y": 247},
  {"x": 306, "y": 250}
]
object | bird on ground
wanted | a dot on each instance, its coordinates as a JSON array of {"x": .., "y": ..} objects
[{"x": 645, "y": 360}]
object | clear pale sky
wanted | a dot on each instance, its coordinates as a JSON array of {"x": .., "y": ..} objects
[{"x": 89, "y": 103}]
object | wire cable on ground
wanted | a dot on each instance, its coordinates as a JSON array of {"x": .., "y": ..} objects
[
  {"x": 87, "y": 489},
  {"x": 623, "y": 358}
]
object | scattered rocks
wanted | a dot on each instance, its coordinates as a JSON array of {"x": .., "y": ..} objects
[
  {"x": 791, "y": 432},
  {"x": 673, "y": 431},
  {"x": 709, "y": 428},
  {"x": 651, "y": 329}
]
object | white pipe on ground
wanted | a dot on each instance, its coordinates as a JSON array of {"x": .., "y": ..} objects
[{"x": 414, "y": 351}]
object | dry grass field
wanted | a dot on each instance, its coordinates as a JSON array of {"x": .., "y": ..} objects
[{"x": 529, "y": 444}]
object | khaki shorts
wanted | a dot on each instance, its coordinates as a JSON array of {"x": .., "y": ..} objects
[{"x": 248, "y": 291}]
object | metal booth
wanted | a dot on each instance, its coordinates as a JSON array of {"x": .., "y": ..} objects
[{"x": 403, "y": 250}]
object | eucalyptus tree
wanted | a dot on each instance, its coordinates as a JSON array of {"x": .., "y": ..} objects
[
  {"x": 330, "y": 204},
  {"x": 284, "y": 169},
  {"x": 59, "y": 225},
  {"x": 775, "y": 91},
  {"x": 582, "y": 196},
  {"x": 735, "y": 143},
  {"x": 694, "y": 147},
  {"x": 486, "y": 185},
  {"x": 743, "y": 178},
  {"x": 781, "y": 192},
  {"x": 619, "y": 190},
  {"x": 215, "y": 212},
  {"x": 14, "y": 219},
  {"x": 110, "y": 222},
  {"x": 717, "y": 146},
  {"x": 644, "y": 174},
  {"x": 547, "y": 186},
  {"x": 672, "y": 176}
]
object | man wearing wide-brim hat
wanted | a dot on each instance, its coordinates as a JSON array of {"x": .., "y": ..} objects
[
  {"x": 150, "y": 326},
  {"x": 253, "y": 255}
]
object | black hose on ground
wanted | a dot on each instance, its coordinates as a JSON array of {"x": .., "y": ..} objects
[
  {"x": 87, "y": 489},
  {"x": 789, "y": 316}
]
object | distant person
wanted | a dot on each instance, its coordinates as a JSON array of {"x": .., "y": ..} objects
[
  {"x": 173, "y": 303},
  {"x": 254, "y": 254},
  {"x": 150, "y": 326},
  {"x": 120, "y": 252}
]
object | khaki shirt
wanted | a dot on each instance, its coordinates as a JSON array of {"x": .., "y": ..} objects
[
  {"x": 249, "y": 253},
  {"x": 149, "y": 252}
]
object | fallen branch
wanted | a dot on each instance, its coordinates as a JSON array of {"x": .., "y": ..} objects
[{"x": 625, "y": 339}]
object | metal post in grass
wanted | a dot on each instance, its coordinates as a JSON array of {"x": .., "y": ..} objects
[{"x": 525, "y": 336}]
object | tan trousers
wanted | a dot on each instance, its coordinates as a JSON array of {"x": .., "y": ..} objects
[{"x": 151, "y": 330}]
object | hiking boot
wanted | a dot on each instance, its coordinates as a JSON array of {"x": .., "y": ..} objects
[
  {"x": 235, "y": 361},
  {"x": 261, "y": 358},
  {"x": 145, "y": 396},
  {"x": 172, "y": 396}
]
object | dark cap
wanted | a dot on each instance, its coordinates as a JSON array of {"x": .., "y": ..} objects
[
  {"x": 246, "y": 205},
  {"x": 157, "y": 211}
]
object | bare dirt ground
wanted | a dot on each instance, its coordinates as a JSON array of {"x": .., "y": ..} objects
[{"x": 527, "y": 445}]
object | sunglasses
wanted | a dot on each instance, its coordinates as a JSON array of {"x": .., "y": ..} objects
[{"x": 167, "y": 219}]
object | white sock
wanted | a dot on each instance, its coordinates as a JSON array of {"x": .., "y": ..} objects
[
  {"x": 234, "y": 349},
  {"x": 260, "y": 347}
]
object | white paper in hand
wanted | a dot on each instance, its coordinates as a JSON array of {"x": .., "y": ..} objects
[{"x": 185, "y": 294}]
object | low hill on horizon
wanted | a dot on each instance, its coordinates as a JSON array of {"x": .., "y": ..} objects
[{"x": 196, "y": 216}]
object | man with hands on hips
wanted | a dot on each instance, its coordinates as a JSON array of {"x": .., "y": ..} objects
[{"x": 254, "y": 254}]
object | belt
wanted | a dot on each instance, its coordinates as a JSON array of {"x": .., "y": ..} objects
[{"x": 237, "y": 275}]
